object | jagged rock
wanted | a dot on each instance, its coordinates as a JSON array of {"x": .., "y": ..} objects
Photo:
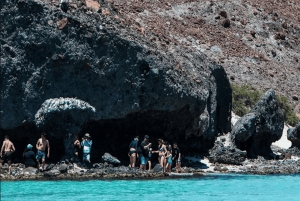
[
  {"x": 63, "y": 168},
  {"x": 157, "y": 168},
  {"x": 226, "y": 154},
  {"x": 293, "y": 135},
  {"x": 30, "y": 170},
  {"x": 59, "y": 112},
  {"x": 110, "y": 159},
  {"x": 263, "y": 125}
]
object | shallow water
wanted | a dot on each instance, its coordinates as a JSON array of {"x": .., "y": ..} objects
[{"x": 212, "y": 187}]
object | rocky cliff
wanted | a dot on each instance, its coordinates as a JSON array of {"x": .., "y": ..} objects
[{"x": 79, "y": 67}]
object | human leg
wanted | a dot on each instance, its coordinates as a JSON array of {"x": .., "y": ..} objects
[
  {"x": 143, "y": 163},
  {"x": 1, "y": 161},
  {"x": 9, "y": 166},
  {"x": 133, "y": 159}
]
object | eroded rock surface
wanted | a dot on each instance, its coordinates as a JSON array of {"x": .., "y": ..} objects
[
  {"x": 294, "y": 135},
  {"x": 263, "y": 125},
  {"x": 134, "y": 85}
]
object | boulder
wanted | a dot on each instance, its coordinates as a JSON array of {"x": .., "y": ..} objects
[
  {"x": 107, "y": 157},
  {"x": 63, "y": 168},
  {"x": 157, "y": 168},
  {"x": 263, "y": 125},
  {"x": 293, "y": 135},
  {"x": 226, "y": 154}
]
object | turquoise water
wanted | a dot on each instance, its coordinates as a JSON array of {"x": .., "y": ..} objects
[{"x": 217, "y": 187}]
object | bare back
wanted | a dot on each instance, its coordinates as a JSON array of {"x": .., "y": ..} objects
[
  {"x": 8, "y": 146},
  {"x": 42, "y": 144}
]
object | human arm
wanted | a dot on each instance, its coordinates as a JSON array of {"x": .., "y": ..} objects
[
  {"x": 148, "y": 145},
  {"x": 37, "y": 144},
  {"x": 48, "y": 145},
  {"x": 2, "y": 148},
  {"x": 179, "y": 157},
  {"x": 13, "y": 147}
]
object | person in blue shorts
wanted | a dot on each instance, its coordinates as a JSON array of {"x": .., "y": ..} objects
[
  {"x": 42, "y": 145},
  {"x": 144, "y": 152},
  {"x": 86, "y": 145}
]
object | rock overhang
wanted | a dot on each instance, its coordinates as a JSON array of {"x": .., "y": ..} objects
[{"x": 105, "y": 67}]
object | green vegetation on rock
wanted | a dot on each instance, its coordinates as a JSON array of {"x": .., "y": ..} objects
[{"x": 245, "y": 97}]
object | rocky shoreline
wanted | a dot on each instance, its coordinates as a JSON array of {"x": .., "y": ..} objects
[{"x": 77, "y": 171}]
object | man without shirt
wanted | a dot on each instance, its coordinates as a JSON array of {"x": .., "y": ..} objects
[
  {"x": 6, "y": 150},
  {"x": 41, "y": 146}
]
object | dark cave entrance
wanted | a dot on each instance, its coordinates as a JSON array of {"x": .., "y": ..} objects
[{"x": 114, "y": 135}]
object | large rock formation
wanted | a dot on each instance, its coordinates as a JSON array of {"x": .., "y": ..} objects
[
  {"x": 293, "y": 135},
  {"x": 263, "y": 125},
  {"x": 130, "y": 84}
]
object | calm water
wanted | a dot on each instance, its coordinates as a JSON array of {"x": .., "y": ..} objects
[{"x": 222, "y": 187}]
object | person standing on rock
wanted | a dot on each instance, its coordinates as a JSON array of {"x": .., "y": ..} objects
[
  {"x": 41, "y": 146},
  {"x": 6, "y": 150},
  {"x": 77, "y": 145},
  {"x": 133, "y": 154},
  {"x": 177, "y": 157},
  {"x": 87, "y": 147},
  {"x": 29, "y": 157},
  {"x": 144, "y": 152}
]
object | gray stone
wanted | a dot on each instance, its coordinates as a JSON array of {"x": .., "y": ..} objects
[
  {"x": 263, "y": 125},
  {"x": 63, "y": 168},
  {"x": 226, "y": 154},
  {"x": 293, "y": 135},
  {"x": 157, "y": 168},
  {"x": 107, "y": 157}
]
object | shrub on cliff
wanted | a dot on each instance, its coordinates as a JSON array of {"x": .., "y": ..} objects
[{"x": 245, "y": 97}]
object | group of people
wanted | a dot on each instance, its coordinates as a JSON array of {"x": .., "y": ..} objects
[
  {"x": 43, "y": 149},
  {"x": 143, "y": 151},
  {"x": 166, "y": 154},
  {"x": 30, "y": 158}
]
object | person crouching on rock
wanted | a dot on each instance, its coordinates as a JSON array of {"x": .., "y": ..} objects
[
  {"x": 41, "y": 146},
  {"x": 144, "y": 152},
  {"x": 87, "y": 147},
  {"x": 133, "y": 155},
  {"x": 29, "y": 157},
  {"x": 6, "y": 150},
  {"x": 77, "y": 145}
]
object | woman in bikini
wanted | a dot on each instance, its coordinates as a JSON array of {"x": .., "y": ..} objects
[{"x": 133, "y": 151}]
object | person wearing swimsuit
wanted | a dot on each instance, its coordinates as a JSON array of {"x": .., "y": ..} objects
[
  {"x": 77, "y": 145},
  {"x": 161, "y": 152},
  {"x": 169, "y": 161},
  {"x": 41, "y": 146},
  {"x": 133, "y": 155},
  {"x": 6, "y": 150}
]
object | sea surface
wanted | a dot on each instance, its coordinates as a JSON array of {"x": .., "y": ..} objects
[{"x": 211, "y": 187}]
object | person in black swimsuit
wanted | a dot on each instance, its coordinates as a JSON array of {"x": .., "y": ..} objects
[
  {"x": 77, "y": 145},
  {"x": 133, "y": 154}
]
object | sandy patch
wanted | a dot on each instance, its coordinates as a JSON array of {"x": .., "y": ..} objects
[
  {"x": 92, "y": 4},
  {"x": 283, "y": 142}
]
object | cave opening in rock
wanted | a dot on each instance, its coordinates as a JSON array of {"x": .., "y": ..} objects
[{"x": 114, "y": 135}]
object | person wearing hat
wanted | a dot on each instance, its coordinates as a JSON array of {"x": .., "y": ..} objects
[
  {"x": 86, "y": 145},
  {"x": 144, "y": 152},
  {"x": 29, "y": 157}
]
